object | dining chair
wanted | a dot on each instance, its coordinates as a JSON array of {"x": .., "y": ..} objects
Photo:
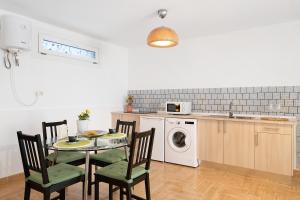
[
  {"x": 114, "y": 155},
  {"x": 69, "y": 157},
  {"x": 38, "y": 176},
  {"x": 125, "y": 174}
]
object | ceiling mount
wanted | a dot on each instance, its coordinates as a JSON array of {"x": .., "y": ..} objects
[{"x": 162, "y": 13}]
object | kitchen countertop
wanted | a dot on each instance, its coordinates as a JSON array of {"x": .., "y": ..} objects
[{"x": 223, "y": 116}]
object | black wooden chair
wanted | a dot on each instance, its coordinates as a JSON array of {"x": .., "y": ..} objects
[
  {"x": 72, "y": 158},
  {"x": 114, "y": 155},
  {"x": 127, "y": 174},
  {"x": 38, "y": 176}
]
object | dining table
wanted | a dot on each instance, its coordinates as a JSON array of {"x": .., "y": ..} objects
[{"x": 89, "y": 143}]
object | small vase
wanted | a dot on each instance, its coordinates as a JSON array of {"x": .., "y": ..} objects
[
  {"x": 82, "y": 125},
  {"x": 129, "y": 108}
]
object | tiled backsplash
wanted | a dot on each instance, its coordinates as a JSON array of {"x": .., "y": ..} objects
[{"x": 246, "y": 100}]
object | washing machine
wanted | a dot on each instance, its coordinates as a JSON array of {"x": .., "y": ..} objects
[{"x": 181, "y": 141}]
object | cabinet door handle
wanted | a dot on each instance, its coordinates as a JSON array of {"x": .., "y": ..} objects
[
  {"x": 256, "y": 139},
  {"x": 218, "y": 127},
  {"x": 271, "y": 129}
]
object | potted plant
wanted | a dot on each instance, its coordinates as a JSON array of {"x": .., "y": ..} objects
[
  {"x": 129, "y": 102},
  {"x": 83, "y": 121}
]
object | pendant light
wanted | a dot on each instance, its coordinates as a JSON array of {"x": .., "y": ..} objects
[{"x": 162, "y": 37}]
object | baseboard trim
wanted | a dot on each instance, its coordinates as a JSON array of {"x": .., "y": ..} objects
[
  {"x": 14, "y": 177},
  {"x": 296, "y": 172}
]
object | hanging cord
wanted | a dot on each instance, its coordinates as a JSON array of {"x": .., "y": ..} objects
[
  {"x": 13, "y": 85},
  {"x": 15, "y": 92}
]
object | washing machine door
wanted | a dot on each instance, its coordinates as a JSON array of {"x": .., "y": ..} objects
[{"x": 179, "y": 140}]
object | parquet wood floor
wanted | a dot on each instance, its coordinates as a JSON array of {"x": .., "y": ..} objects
[{"x": 208, "y": 182}]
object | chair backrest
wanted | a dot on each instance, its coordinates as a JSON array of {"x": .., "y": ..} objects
[
  {"x": 52, "y": 126},
  {"x": 32, "y": 155},
  {"x": 126, "y": 127},
  {"x": 140, "y": 150}
]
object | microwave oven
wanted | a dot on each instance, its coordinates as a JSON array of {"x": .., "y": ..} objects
[{"x": 179, "y": 108}]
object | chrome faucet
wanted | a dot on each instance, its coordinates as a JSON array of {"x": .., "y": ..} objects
[{"x": 230, "y": 110}]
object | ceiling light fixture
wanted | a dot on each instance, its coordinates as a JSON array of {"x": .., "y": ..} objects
[{"x": 162, "y": 37}]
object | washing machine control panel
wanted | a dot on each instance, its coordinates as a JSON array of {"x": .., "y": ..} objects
[
  {"x": 188, "y": 122},
  {"x": 181, "y": 122}
]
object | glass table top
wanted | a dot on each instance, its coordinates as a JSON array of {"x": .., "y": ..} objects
[{"x": 83, "y": 143}]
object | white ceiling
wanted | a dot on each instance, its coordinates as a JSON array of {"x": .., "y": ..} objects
[{"x": 128, "y": 22}]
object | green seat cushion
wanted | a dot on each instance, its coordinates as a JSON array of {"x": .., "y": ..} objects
[
  {"x": 118, "y": 171},
  {"x": 66, "y": 156},
  {"x": 110, "y": 156},
  {"x": 57, "y": 174}
]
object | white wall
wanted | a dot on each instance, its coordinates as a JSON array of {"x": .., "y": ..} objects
[
  {"x": 69, "y": 86},
  {"x": 265, "y": 56}
]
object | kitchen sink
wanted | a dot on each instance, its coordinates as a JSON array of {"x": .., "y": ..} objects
[
  {"x": 250, "y": 118},
  {"x": 243, "y": 117},
  {"x": 234, "y": 117}
]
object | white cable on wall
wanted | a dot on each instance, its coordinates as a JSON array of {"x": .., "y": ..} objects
[{"x": 15, "y": 92}]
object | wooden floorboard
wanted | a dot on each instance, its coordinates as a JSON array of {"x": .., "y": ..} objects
[{"x": 170, "y": 182}]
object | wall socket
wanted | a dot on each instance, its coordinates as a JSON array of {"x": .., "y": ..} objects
[{"x": 39, "y": 93}]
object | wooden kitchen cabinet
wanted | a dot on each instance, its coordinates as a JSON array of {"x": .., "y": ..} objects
[
  {"x": 273, "y": 149},
  {"x": 255, "y": 144},
  {"x": 239, "y": 144},
  {"x": 125, "y": 117},
  {"x": 211, "y": 140},
  {"x": 114, "y": 118}
]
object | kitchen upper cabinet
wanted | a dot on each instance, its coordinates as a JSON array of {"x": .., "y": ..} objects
[
  {"x": 125, "y": 117},
  {"x": 273, "y": 148},
  {"x": 239, "y": 143},
  {"x": 211, "y": 140}
]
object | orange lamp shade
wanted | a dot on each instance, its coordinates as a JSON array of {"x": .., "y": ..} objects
[{"x": 162, "y": 37}]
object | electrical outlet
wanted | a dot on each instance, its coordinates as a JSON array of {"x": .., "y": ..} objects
[{"x": 39, "y": 93}]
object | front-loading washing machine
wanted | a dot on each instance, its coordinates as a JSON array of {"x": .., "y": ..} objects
[{"x": 181, "y": 141}]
